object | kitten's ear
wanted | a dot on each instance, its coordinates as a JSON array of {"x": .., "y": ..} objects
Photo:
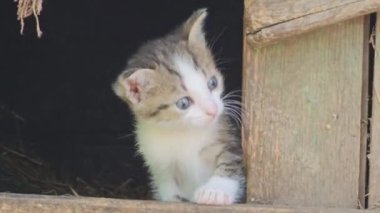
[
  {"x": 130, "y": 88},
  {"x": 193, "y": 27}
]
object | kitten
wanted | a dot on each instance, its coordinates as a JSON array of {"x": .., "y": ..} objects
[{"x": 175, "y": 91}]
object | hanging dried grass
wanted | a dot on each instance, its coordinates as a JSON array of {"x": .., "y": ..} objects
[{"x": 26, "y": 8}]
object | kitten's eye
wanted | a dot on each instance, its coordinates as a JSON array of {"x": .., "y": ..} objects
[
  {"x": 184, "y": 103},
  {"x": 212, "y": 83}
]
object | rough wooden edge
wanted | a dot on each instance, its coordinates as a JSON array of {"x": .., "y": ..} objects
[
  {"x": 364, "y": 115},
  {"x": 22, "y": 203},
  {"x": 264, "y": 13},
  {"x": 374, "y": 156},
  {"x": 246, "y": 130},
  {"x": 310, "y": 22}
]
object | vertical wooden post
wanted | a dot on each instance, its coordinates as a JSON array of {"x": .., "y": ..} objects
[
  {"x": 374, "y": 156},
  {"x": 364, "y": 116},
  {"x": 303, "y": 98}
]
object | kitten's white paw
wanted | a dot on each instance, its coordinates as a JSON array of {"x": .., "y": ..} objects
[
  {"x": 217, "y": 191},
  {"x": 212, "y": 196}
]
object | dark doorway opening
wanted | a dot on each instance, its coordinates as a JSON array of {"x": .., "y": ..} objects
[{"x": 62, "y": 130}]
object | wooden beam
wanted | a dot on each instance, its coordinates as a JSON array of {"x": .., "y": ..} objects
[
  {"x": 374, "y": 156},
  {"x": 364, "y": 115},
  {"x": 303, "y": 101},
  {"x": 264, "y": 13},
  {"x": 21, "y": 203},
  {"x": 310, "y": 15}
]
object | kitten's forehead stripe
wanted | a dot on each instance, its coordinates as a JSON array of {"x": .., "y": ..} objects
[
  {"x": 172, "y": 70},
  {"x": 195, "y": 61},
  {"x": 196, "y": 64},
  {"x": 158, "y": 109},
  {"x": 193, "y": 81}
]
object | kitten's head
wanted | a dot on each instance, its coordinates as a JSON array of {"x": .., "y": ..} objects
[{"x": 174, "y": 80}]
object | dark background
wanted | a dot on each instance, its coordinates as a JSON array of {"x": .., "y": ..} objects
[{"x": 60, "y": 84}]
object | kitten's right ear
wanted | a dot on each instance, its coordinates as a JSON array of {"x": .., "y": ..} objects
[
  {"x": 130, "y": 87},
  {"x": 193, "y": 27}
]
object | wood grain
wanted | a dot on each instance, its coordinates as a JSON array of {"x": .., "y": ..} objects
[
  {"x": 303, "y": 103},
  {"x": 309, "y": 15},
  {"x": 264, "y": 13},
  {"x": 364, "y": 115},
  {"x": 19, "y": 203},
  {"x": 374, "y": 156}
]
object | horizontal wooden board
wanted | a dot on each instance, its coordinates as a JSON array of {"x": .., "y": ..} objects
[
  {"x": 264, "y": 13},
  {"x": 303, "y": 103},
  {"x": 270, "y": 21},
  {"x": 19, "y": 203}
]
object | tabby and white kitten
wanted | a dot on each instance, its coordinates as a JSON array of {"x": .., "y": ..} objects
[{"x": 175, "y": 91}]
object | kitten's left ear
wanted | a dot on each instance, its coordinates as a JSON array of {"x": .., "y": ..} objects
[
  {"x": 132, "y": 87},
  {"x": 193, "y": 27}
]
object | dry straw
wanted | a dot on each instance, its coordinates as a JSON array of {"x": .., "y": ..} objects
[{"x": 26, "y": 8}]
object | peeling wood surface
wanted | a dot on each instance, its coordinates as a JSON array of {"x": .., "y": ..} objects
[
  {"x": 19, "y": 203},
  {"x": 303, "y": 103},
  {"x": 272, "y": 20},
  {"x": 374, "y": 156}
]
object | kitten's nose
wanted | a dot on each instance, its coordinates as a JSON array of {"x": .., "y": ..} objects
[{"x": 211, "y": 109}]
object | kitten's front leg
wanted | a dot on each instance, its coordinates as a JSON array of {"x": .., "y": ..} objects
[
  {"x": 226, "y": 186},
  {"x": 166, "y": 191}
]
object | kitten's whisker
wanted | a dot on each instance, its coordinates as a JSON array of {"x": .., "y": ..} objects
[
  {"x": 235, "y": 117},
  {"x": 232, "y": 97},
  {"x": 233, "y": 102},
  {"x": 126, "y": 136},
  {"x": 216, "y": 38},
  {"x": 220, "y": 62},
  {"x": 235, "y": 105},
  {"x": 242, "y": 112},
  {"x": 236, "y": 110},
  {"x": 233, "y": 92}
]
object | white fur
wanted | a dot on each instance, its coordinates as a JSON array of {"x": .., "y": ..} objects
[
  {"x": 196, "y": 85},
  {"x": 174, "y": 154},
  {"x": 218, "y": 190}
]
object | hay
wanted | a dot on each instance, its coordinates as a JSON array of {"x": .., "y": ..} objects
[
  {"x": 26, "y": 8},
  {"x": 23, "y": 170}
]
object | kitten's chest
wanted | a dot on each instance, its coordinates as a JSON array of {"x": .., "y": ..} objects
[
  {"x": 179, "y": 147},
  {"x": 177, "y": 151}
]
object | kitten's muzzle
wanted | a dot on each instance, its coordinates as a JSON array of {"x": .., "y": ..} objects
[{"x": 211, "y": 109}]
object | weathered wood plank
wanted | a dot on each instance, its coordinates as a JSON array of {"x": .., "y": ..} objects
[
  {"x": 310, "y": 15},
  {"x": 18, "y": 203},
  {"x": 364, "y": 115},
  {"x": 303, "y": 103},
  {"x": 264, "y": 13},
  {"x": 374, "y": 156}
]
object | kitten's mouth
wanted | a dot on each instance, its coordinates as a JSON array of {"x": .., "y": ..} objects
[{"x": 211, "y": 119}]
